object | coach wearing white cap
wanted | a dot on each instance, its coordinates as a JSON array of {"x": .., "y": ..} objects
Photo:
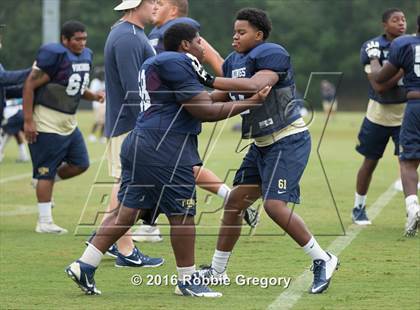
[{"x": 126, "y": 48}]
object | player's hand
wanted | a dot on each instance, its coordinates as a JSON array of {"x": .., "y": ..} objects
[
  {"x": 205, "y": 78},
  {"x": 29, "y": 127},
  {"x": 261, "y": 95},
  {"x": 372, "y": 50},
  {"x": 100, "y": 96}
]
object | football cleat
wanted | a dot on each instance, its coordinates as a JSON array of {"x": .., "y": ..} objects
[
  {"x": 82, "y": 274},
  {"x": 212, "y": 277},
  {"x": 413, "y": 220},
  {"x": 147, "y": 233},
  {"x": 251, "y": 217},
  {"x": 195, "y": 288},
  {"x": 112, "y": 250},
  {"x": 138, "y": 259},
  {"x": 49, "y": 228},
  {"x": 323, "y": 272},
  {"x": 359, "y": 216}
]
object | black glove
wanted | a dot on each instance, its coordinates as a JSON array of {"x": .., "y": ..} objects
[{"x": 203, "y": 76}]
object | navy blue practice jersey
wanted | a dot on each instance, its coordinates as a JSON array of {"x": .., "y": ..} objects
[
  {"x": 69, "y": 77},
  {"x": 279, "y": 109},
  {"x": 393, "y": 95},
  {"x": 156, "y": 35},
  {"x": 405, "y": 53}
]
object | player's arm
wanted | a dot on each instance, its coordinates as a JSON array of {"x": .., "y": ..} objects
[
  {"x": 94, "y": 96},
  {"x": 36, "y": 79},
  {"x": 219, "y": 96},
  {"x": 203, "y": 108},
  {"x": 387, "y": 85},
  {"x": 382, "y": 74},
  {"x": 10, "y": 78},
  {"x": 212, "y": 57}
]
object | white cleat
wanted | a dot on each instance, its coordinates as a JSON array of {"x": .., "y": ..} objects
[
  {"x": 147, "y": 233},
  {"x": 413, "y": 220},
  {"x": 211, "y": 277},
  {"x": 50, "y": 228}
]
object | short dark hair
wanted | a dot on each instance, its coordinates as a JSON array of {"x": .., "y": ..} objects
[
  {"x": 70, "y": 27},
  {"x": 176, "y": 34},
  {"x": 182, "y": 6},
  {"x": 257, "y": 18},
  {"x": 387, "y": 14}
]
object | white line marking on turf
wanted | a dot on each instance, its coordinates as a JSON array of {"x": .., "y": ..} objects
[
  {"x": 19, "y": 210},
  {"x": 300, "y": 285}
]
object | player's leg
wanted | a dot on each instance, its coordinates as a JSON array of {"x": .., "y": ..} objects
[
  {"x": 209, "y": 181},
  {"x": 409, "y": 163},
  {"x": 283, "y": 166},
  {"x": 47, "y": 153},
  {"x": 23, "y": 153},
  {"x": 373, "y": 139}
]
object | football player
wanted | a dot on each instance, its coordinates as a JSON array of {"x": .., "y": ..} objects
[
  {"x": 158, "y": 156},
  {"x": 404, "y": 53},
  {"x": 277, "y": 158},
  {"x": 384, "y": 113},
  {"x": 51, "y": 96}
]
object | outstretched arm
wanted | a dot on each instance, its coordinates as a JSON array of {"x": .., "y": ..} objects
[
  {"x": 382, "y": 74},
  {"x": 212, "y": 57}
]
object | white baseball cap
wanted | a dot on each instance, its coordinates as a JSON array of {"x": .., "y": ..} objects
[{"x": 127, "y": 5}]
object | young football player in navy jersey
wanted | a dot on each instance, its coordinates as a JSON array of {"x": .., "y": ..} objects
[
  {"x": 158, "y": 157},
  {"x": 404, "y": 53},
  {"x": 169, "y": 13},
  {"x": 276, "y": 160},
  {"x": 51, "y": 96},
  {"x": 384, "y": 113}
]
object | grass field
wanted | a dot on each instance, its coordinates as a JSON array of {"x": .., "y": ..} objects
[{"x": 380, "y": 269}]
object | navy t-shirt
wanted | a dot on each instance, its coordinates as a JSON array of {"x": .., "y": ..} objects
[
  {"x": 126, "y": 48},
  {"x": 69, "y": 70},
  {"x": 405, "y": 53},
  {"x": 393, "y": 95},
  {"x": 156, "y": 35},
  {"x": 169, "y": 131}
]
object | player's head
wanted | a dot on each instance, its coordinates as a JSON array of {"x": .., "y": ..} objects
[
  {"x": 252, "y": 26},
  {"x": 394, "y": 22},
  {"x": 170, "y": 9},
  {"x": 143, "y": 11},
  {"x": 183, "y": 38},
  {"x": 74, "y": 36}
]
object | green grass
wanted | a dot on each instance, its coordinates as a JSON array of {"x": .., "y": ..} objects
[{"x": 380, "y": 269}]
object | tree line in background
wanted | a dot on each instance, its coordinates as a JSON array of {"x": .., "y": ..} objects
[{"x": 320, "y": 35}]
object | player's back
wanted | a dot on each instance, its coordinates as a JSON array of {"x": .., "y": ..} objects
[{"x": 405, "y": 53}]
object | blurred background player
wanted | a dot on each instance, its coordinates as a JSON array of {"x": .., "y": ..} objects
[
  {"x": 13, "y": 127},
  {"x": 169, "y": 13},
  {"x": 98, "y": 84},
  {"x": 175, "y": 104},
  {"x": 329, "y": 99},
  {"x": 126, "y": 48},
  {"x": 276, "y": 160},
  {"x": 51, "y": 96},
  {"x": 384, "y": 113},
  {"x": 404, "y": 54}
]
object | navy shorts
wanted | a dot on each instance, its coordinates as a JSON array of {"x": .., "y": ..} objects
[
  {"x": 278, "y": 168},
  {"x": 373, "y": 139},
  {"x": 162, "y": 189},
  {"x": 14, "y": 124},
  {"x": 50, "y": 150},
  {"x": 410, "y": 132}
]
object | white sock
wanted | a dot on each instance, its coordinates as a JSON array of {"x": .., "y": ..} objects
[
  {"x": 223, "y": 191},
  {"x": 57, "y": 177},
  {"x": 184, "y": 273},
  {"x": 44, "y": 209},
  {"x": 359, "y": 200},
  {"x": 313, "y": 249},
  {"x": 220, "y": 260},
  {"x": 410, "y": 200},
  {"x": 22, "y": 151},
  {"x": 91, "y": 256}
]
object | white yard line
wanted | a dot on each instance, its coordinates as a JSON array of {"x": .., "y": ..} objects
[
  {"x": 301, "y": 284},
  {"x": 19, "y": 210}
]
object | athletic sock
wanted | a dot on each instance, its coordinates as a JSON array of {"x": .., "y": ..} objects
[
  {"x": 410, "y": 200},
  {"x": 313, "y": 249},
  {"x": 185, "y": 273},
  {"x": 23, "y": 154},
  {"x": 45, "y": 215},
  {"x": 220, "y": 260},
  {"x": 359, "y": 200},
  {"x": 91, "y": 256},
  {"x": 223, "y": 191}
]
